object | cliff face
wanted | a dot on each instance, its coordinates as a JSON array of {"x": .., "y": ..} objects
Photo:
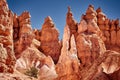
[
  {"x": 7, "y": 58},
  {"x": 89, "y": 50}
]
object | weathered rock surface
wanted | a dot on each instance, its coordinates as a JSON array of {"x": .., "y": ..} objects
[
  {"x": 68, "y": 64},
  {"x": 47, "y": 70},
  {"x": 23, "y": 33},
  {"x": 88, "y": 41},
  {"x": 50, "y": 44},
  {"x": 82, "y": 54},
  {"x": 95, "y": 72},
  {"x": 37, "y": 34},
  {"x": 70, "y": 21},
  {"x": 110, "y": 30},
  {"x": 89, "y": 48},
  {"x": 7, "y": 58},
  {"x": 29, "y": 58}
]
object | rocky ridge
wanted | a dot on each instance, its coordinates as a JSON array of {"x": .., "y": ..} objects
[{"x": 89, "y": 50}]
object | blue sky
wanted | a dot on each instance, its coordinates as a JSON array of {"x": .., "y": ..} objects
[{"x": 57, "y": 9}]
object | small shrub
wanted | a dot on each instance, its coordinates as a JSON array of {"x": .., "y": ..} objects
[{"x": 32, "y": 72}]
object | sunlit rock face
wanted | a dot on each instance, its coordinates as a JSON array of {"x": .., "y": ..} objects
[
  {"x": 7, "y": 58},
  {"x": 110, "y": 30},
  {"x": 88, "y": 41},
  {"x": 70, "y": 21},
  {"x": 89, "y": 50},
  {"x": 47, "y": 70},
  {"x": 50, "y": 44},
  {"x": 68, "y": 63}
]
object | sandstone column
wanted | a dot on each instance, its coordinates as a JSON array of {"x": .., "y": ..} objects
[
  {"x": 50, "y": 44},
  {"x": 113, "y": 33}
]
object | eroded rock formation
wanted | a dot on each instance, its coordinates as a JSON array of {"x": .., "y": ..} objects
[
  {"x": 70, "y": 21},
  {"x": 110, "y": 30},
  {"x": 82, "y": 54},
  {"x": 23, "y": 35},
  {"x": 7, "y": 58},
  {"x": 88, "y": 41},
  {"x": 50, "y": 44},
  {"x": 68, "y": 64}
]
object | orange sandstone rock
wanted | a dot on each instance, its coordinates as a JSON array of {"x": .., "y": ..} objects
[
  {"x": 50, "y": 45},
  {"x": 7, "y": 58}
]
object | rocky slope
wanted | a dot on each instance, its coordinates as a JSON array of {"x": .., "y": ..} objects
[{"x": 89, "y": 50}]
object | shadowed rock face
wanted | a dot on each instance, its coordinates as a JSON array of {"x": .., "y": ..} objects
[
  {"x": 82, "y": 54},
  {"x": 23, "y": 35}
]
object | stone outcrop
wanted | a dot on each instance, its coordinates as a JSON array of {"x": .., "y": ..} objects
[
  {"x": 91, "y": 18},
  {"x": 37, "y": 34},
  {"x": 88, "y": 41},
  {"x": 50, "y": 44},
  {"x": 110, "y": 30},
  {"x": 7, "y": 58},
  {"x": 47, "y": 69},
  {"x": 29, "y": 58},
  {"x": 23, "y": 35},
  {"x": 89, "y": 48},
  {"x": 32, "y": 57},
  {"x": 102, "y": 66},
  {"x": 117, "y": 23},
  {"x": 70, "y": 21},
  {"x": 68, "y": 64}
]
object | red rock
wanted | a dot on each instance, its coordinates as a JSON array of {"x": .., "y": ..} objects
[
  {"x": 70, "y": 21},
  {"x": 68, "y": 65},
  {"x": 118, "y": 32},
  {"x": 90, "y": 14},
  {"x": 7, "y": 57},
  {"x": 37, "y": 34},
  {"x": 50, "y": 45},
  {"x": 94, "y": 71},
  {"x": 15, "y": 21},
  {"x": 82, "y": 26},
  {"x": 30, "y": 57},
  {"x": 24, "y": 35},
  {"x": 115, "y": 75},
  {"x": 81, "y": 55},
  {"x": 111, "y": 63},
  {"x": 89, "y": 48}
]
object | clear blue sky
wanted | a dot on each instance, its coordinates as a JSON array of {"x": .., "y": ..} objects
[{"x": 57, "y": 9}]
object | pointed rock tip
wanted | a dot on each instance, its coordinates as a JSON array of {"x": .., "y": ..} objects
[
  {"x": 69, "y": 9},
  {"x": 25, "y": 13},
  {"x": 117, "y": 21},
  {"x": 48, "y": 18},
  {"x": 91, "y": 6},
  {"x": 99, "y": 10}
]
